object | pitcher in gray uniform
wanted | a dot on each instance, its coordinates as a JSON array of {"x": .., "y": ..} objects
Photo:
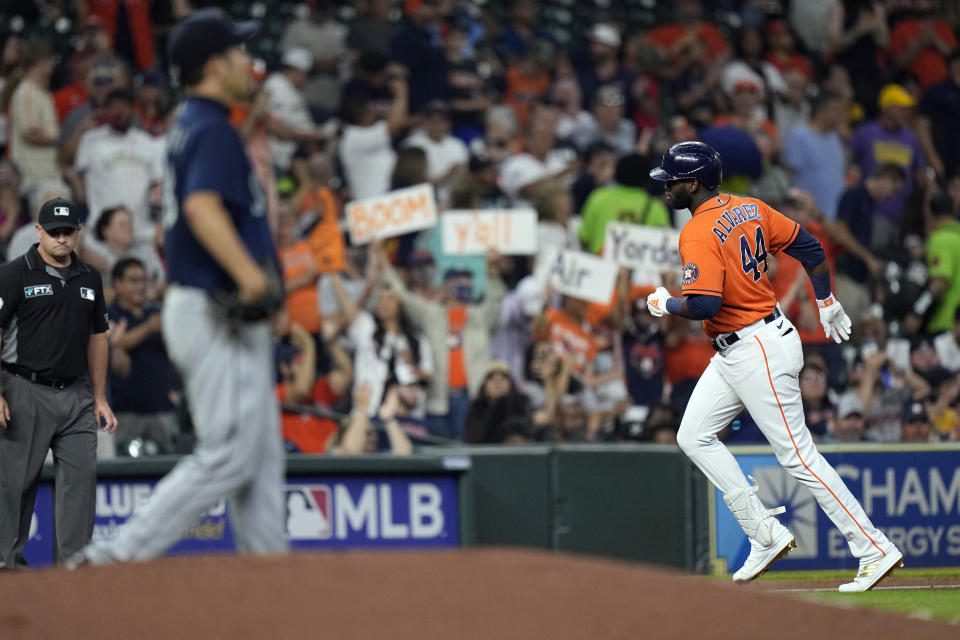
[
  {"x": 53, "y": 325},
  {"x": 216, "y": 238}
]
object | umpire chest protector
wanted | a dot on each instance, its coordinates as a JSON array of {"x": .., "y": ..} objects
[{"x": 47, "y": 314}]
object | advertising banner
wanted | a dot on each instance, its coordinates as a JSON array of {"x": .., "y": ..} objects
[
  {"x": 913, "y": 496},
  {"x": 338, "y": 513},
  {"x": 509, "y": 231},
  {"x": 118, "y": 500},
  {"x": 346, "y": 512},
  {"x": 392, "y": 214}
]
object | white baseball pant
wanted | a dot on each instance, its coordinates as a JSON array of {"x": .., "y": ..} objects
[{"x": 760, "y": 373}]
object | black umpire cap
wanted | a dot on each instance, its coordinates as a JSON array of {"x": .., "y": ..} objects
[
  {"x": 204, "y": 34},
  {"x": 58, "y": 214}
]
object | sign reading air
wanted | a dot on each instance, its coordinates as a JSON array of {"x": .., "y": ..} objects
[{"x": 576, "y": 274}]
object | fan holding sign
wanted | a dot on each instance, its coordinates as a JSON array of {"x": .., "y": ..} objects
[
  {"x": 509, "y": 231},
  {"x": 647, "y": 251},
  {"x": 577, "y": 274},
  {"x": 392, "y": 214}
]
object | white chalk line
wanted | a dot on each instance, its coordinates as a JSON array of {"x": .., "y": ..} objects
[{"x": 917, "y": 587}]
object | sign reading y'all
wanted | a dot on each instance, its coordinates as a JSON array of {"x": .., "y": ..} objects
[
  {"x": 651, "y": 249},
  {"x": 509, "y": 231},
  {"x": 392, "y": 214},
  {"x": 577, "y": 274}
]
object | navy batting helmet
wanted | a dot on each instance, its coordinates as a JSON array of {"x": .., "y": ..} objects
[{"x": 689, "y": 160}]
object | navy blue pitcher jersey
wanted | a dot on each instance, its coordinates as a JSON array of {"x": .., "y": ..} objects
[{"x": 205, "y": 153}]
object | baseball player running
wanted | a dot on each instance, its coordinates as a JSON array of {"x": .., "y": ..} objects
[
  {"x": 725, "y": 248},
  {"x": 216, "y": 233}
]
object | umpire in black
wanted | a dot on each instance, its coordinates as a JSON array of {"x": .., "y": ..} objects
[{"x": 53, "y": 325}]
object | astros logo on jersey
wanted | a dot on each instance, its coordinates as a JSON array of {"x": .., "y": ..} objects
[{"x": 690, "y": 273}]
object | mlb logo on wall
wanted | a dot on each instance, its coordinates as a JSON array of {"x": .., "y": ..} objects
[
  {"x": 354, "y": 512},
  {"x": 308, "y": 512},
  {"x": 61, "y": 211},
  {"x": 87, "y": 294}
]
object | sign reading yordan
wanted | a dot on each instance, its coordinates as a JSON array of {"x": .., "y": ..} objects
[
  {"x": 640, "y": 247},
  {"x": 392, "y": 214},
  {"x": 509, "y": 231}
]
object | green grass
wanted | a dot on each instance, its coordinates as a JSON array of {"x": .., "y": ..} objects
[
  {"x": 925, "y": 603},
  {"x": 831, "y": 574},
  {"x": 942, "y": 605}
]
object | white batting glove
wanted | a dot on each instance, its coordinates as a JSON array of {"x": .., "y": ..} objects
[
  {"x": 657, "y": 302},
  {"x": 836, "y": 323}
]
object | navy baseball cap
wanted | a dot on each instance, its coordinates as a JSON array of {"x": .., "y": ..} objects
[
  {"x": 457, "y": 272},
  {"x": 58, "y": 214},
  {"x": 913, "y": 410},
  {"x": 204, "y": 34}
]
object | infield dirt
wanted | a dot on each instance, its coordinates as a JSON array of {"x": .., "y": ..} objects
[{"x": 460, "y": 595}]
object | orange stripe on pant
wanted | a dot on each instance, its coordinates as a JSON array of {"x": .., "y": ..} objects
[{"x": 797, "y": 450}]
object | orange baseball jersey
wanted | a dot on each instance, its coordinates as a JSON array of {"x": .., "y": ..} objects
[{"x": 724, "y": 250}]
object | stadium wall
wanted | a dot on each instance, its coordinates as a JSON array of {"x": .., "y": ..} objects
[{"x": 644, "y": 503}]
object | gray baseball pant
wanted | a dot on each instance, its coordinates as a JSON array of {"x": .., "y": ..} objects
[
  {"x": 41, "y": 419},
  {"x": 228, "y": 377}
]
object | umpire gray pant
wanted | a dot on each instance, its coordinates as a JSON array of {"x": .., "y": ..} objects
[
  {"x": 42, "y": 419},
  {"x": 228, "y": 377}
]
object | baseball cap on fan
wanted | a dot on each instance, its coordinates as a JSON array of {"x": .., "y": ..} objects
[
  {"x": 848, "y": 405},
  {"x": 531, "y": 295},
  {"x": 58, "y": 214},
  {"x": 913, "y": 411},
  {"x": 894, "y": 95},
  {"x": 204, "y": 34},
  {"x": 298, "y": 58},
  {"x": 603, "y": 33}
]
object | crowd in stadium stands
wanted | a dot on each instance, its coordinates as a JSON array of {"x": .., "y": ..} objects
[{"x": 842, "y": 114}]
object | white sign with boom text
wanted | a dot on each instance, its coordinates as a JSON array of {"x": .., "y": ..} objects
[{"x": 392, "y": 214}]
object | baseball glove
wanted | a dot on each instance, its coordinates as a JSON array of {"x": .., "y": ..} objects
[{"x": 233, "y": 308}]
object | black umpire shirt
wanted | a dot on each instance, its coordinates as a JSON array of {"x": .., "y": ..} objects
[{"x": 47, "y": 314}]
